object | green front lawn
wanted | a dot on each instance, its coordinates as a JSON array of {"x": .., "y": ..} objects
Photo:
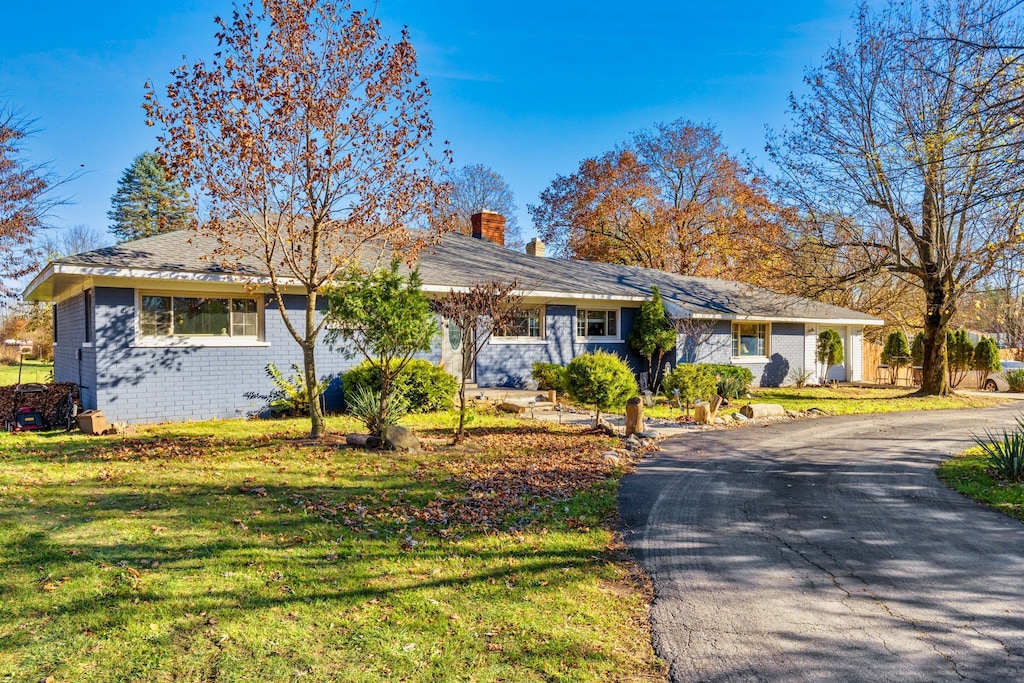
[
  {"x": 33, "y": 371},
  {"x": 234, "y": 551},
  {"x": 847, "y": 400},
  {"x": 969, "y": 473}
]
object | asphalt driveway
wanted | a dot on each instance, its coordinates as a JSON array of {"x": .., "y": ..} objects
[{"x": 827, "y": 550}]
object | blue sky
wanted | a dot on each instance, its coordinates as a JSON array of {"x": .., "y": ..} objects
[{"x": 528, "y": 88}]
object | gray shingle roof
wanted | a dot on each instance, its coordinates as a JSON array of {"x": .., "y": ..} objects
[{"x": 460, "y": 260}]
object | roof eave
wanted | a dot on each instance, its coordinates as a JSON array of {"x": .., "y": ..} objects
[{"x": 789, "y": 319}]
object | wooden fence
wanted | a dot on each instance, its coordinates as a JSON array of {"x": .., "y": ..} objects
[{"x": 872, "y": 359}]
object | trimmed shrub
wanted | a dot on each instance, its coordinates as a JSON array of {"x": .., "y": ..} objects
[
  {"x": 917, "y": 349},
  {"x": 693, "y": 381},
  {"x": 986, "y": 359},
  {"x": 424, "y": 386},
  {"x": 960, "y": 352},
  {"x": 829, "y": 352},
  {"x": 600, "y": 379},
  {"x": 740, "y": 372},
  {"x": 549, "y": 376},
  {"x": 896, "y": 353}
]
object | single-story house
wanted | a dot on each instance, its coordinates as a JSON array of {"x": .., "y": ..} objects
[{"x": 154, "y": 331}]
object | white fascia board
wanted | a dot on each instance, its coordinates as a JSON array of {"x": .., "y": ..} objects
[
  {"x": 44, "y": 275},
  {"x": 788, "y": 319},
  {"x": 543, "y": 294},
  {"x": 149, "y": 278}
]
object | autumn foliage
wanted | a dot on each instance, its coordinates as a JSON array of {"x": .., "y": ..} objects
[
  {"x": 307, "y": 138},
  {"x": 671, "y": 198},
  {"x": 24, "y": 201}
]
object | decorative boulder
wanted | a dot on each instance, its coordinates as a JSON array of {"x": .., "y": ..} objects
[
  {"x": 401, "y": 439},
  {"x": 362, "y": 441}
]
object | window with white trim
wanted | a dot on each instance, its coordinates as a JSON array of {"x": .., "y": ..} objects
[
  {"x": 161, "y": 315},
  {"x": 597, "y": 323},
  {"x": 529, "y": 324},
  {"x": 750, "y": 340}
]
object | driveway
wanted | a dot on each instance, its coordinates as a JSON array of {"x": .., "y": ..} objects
[{"x": 827, "y": 549}]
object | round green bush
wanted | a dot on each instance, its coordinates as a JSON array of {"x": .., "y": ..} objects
[
  {"x": 600, "y": 379},
  {"x": 425, "y": 386},
  {"x": 694, "y": 381}
]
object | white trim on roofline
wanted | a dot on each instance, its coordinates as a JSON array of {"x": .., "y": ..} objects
[
  {"x": 786, "y": 319},
  {"x": 253, "y": 280},
  {"x": 543, "y": 294}
]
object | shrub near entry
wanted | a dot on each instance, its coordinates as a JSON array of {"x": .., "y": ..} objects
[
  {"x": 549, "y": 376},
  {"x": 693, "y": 382},
  {"x": 424, "y": 386}
]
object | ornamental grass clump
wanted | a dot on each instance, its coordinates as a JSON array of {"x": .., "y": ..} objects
[
  {"x": 364, "y": 404},
  {"x": 1005, "y": 454},
  {"x": 1015, "y": 378}
]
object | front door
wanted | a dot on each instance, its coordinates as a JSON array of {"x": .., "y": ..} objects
[{"x": 451, "y": 350}]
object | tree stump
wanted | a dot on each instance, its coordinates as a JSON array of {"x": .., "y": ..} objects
[
  {"x": 634, "y": 416},
  {"x": 705, "y": 413},
  {"x": 755, "y": 410}
]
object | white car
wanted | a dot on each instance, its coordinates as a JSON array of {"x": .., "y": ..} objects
[{"x": 997, "y": 380}]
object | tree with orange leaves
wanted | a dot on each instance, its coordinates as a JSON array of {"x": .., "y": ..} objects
[
  {"x": 26, "y": 197},
  {"x": 307, "y": 140},
  {"x": 671, "y": 198}
]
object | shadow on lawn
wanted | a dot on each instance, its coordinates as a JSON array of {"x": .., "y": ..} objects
[{"x": 221, "y": 559}]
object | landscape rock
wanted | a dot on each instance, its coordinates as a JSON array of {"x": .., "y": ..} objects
[
  {"x": 739, "y": 417},
  {"x": 649, "y": 434},
  {"x": 401, "y": 439},
  {"x": 362, "y": 441},
  {"x": 611, "y": 458},
  {"x": 792, "y": 413}
]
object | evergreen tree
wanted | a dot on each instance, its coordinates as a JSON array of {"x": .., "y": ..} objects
[
  {"x": 147, "y": 202},
  {"x": 896, "y": 354},
  {"x": 829, "y": 352},
  {"x": 653, "y": 335}
]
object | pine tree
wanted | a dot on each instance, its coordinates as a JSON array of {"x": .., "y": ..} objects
[{"x": 147, "y": 203}]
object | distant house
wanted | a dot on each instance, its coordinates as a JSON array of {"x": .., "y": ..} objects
[{"x": 153, "y": 331}]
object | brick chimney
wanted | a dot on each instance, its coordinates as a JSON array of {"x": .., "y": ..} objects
[
  {"x": 535, "y": 248},
  {"x": 489, "y": 225}
]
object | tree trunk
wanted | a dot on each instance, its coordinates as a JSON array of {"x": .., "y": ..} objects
[
  {"x": 316, "y": 416},
  {"x": 382, "y": 403},
  {"x": 935, "y": 370},
  {"x": 467, "y": 362}
]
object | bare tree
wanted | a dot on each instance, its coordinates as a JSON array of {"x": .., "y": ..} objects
[
  {"x": 309, "y": 137},
  {"x": 898, "y": 162},
  {"x": 26, "y": 198},
  {"x": 476, "y": 188},
  {"x": 478, "y": 312},
  {"x": 77, "y": 239}
]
